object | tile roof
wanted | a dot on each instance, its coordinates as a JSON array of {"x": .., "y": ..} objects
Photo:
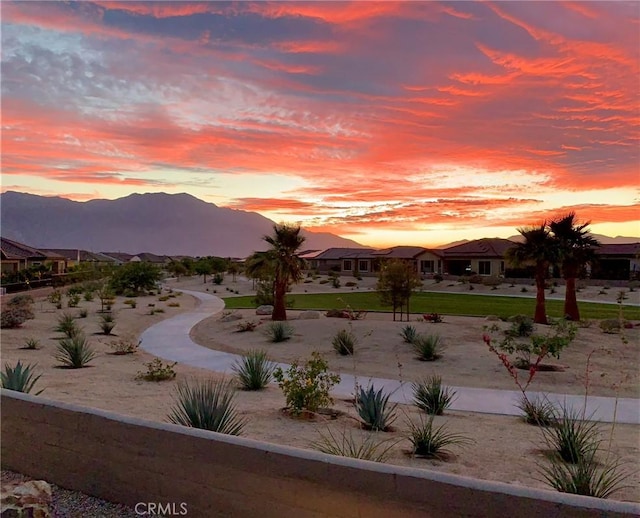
[
  {"x": 487, "y": 247},
  {"x": 14, "y": 250},
  {"x": 619, "y": 249},
  {"x": 403, "y": 252},
  {"x": 344, "y": 253},
  {"x": 85, "y": 256}
]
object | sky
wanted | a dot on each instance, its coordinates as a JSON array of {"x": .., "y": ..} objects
[{"x": 417, "y": 123}]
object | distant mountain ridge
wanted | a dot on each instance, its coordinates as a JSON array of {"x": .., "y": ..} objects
[{"x": 164, "y": 224}]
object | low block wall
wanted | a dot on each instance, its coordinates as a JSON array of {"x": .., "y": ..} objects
[{"x": 131, "y": 461}]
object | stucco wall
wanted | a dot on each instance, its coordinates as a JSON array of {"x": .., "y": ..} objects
[{"x": 130, "y": 461}]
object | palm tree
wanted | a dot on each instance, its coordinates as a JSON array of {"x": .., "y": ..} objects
[
  {"x": 538, "y": 248},
  {"x": 576, "y": 248},
  {"x": 285, "y": 242}
]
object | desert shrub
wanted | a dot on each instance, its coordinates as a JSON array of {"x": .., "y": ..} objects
[
  {"x": 428, "y": 440},
  {"x": 521, "y": 326},
  {"x": 611, "y": 326},
  {"x": 55, "y": 297},
  {"x": 335, "y": 282},
  {"x": 408, "y": 334},
  {"x": 436, "y": 318},
  {"x": 246, "y": 325},
  {"x": 131, "y": 303},
  {"x": 157, "y": 371},
  {"x": 437, "y": 277},
  {"x": 429, "y": 395},
  {"x": 306, "y": 387},
  {"x": 524, "y": 290},
  {"x": 254, "y": 371},
  {"x": 217, "y": 279},
  {"x": 107, "y": 323},
  {"x": 67, "y": 325},
  {"x": 428, "y": 347},
  {"x": 323, "y": 281},
  {"x": 207, "y": 405},
  {"x": 83, "y": 313},
  {"x": 135, "y": 277},
  {"x": 279, "y": 331},
  {"x": 492, "y": 281},
  {"x": 20, "y": 378},
  {"x": 73, "y": 300},
  {"x": 587, "y": 477},
  {"x": 74, "y": 290},
  {"x": 374, "y": 409},
  {"x": 20, "y": 301},
  {"x": 163, "y": 298},
  {"x": 573, "y": 438},
  {"x": 344, "y": 342},
  {"x": 88, "y": 296},
  {"x": 31, "y": 343},
  {"x": 124, "y": 346},
  {"x": 12, "y": 318},
  {"x": 173, "y": 305},
  {"x": 344, "y": 444},
  {"x": 539, "y": 411},
  {"x": 350, "y": 284},
  {"x": 74, "y": 351}
]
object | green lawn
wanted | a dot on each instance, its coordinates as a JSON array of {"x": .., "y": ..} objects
[{"x": 446, "y": 303}]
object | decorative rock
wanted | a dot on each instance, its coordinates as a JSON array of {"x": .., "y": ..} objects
[
  {"x": 31, "y": 499},
  {"x": 309, "y": 315},
  {"x": 266, "y": 309},
  {"x": 231, "y": 318}
]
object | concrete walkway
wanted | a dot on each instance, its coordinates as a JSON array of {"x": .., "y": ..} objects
[{"x": 170, "y": 340}]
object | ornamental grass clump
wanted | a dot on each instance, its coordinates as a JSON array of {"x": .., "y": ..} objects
[
  {"x": 344, "y": 342},
  {"x": 254, "y": 371},
  {"x": 279, "y": 332},
  {"x": 408, "y": 334},
  {"x": 67, "y": 325},
  {"x": 429, "y": 395},
  {"x": 207, "y": 405},
  {"x": 374, "y": 409},
  {"x": 20, "y": 378},
  {"x": 107, "y": 323},
  {"x": 344, "y": 444},
  {"x": 539, "y": 411},
  {"x": 74, "y": 352},
  {"x": 31, "y": 343},
  {"x": 306, "y": 387},
  {"x": 428, "y": 440},
  {"x": 573, "y": 437},
  {"x": 428, "y": 348}
]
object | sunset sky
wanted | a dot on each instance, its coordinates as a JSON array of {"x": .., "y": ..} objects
[{"x": 388, "y": 123}]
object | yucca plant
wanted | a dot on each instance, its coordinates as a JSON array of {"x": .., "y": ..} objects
[
  {"x": 107, "y": 323},
  {"x": 430, "y": 441},
  {"x": 573, "y": 437},
  {"x": 408, "y": 334},
  {"x": 279, "y": 331},
  {"x": 374, "y": 409},
  {"x": 31, "y": 343},
  {"x": 67, "y": 325},
  {"x": 74, "y": 352},
  {"x": 587, "y": 477},
  {"x": 539, "y": 411},
  {"x": 20, "y": 378},
  {"x": 207, "y": 405},
  {"x": 254, "y": 371},
  {"x": 429, "y": 395},
  {"x": 344, "y": 342},
  {"x": 428, "y": 347},
  {"x": 345, "y": 444}
]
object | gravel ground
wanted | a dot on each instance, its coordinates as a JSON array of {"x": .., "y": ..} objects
[{"x": 71, "y": 504}]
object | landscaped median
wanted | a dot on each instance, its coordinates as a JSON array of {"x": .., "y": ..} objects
[{"x": 446, "y": 303}]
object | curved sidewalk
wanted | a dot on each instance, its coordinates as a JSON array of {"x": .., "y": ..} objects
[{"x": 170, "y": 340}]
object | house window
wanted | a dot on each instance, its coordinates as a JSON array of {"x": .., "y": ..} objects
[
  {"x": 347, "y": 265},
  {"x": 484, "y": 267},
  {"x": 502, "y": 267},
  {"x": 363, "y": 266},
  {"x": 428, "y": 266}
]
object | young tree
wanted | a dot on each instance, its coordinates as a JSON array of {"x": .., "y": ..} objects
[
  {"x": 135, "y": 277},
  {"x": 396, "y": 283},
  {"x": 576, "y": 248},
  {"x": 287, "y": 266},
  {"x": 204, "y": 267},
  {"x": 540, "y": 249},
  {"x": 176, "y": 268}
]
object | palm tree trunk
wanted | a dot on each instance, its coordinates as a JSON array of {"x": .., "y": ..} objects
[
  {"x": 279, "y": 307},
  {"x": 540, "y": 316},
  {"x": 571, "y": 310}
]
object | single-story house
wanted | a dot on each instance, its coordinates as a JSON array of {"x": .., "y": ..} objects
[
  {"x": 617, "y": 262},
  {"x": 482, "y": 256},
  {"x": 74, "y": 256},
  {"x": 18, "y": 256},
  {"x": 347, "y": 260}
]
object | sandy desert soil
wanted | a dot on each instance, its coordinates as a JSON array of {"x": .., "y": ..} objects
[{"x": 504, "y": 448}]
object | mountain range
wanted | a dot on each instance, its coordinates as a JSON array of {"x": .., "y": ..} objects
[{"x": 168, "y": 224}]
